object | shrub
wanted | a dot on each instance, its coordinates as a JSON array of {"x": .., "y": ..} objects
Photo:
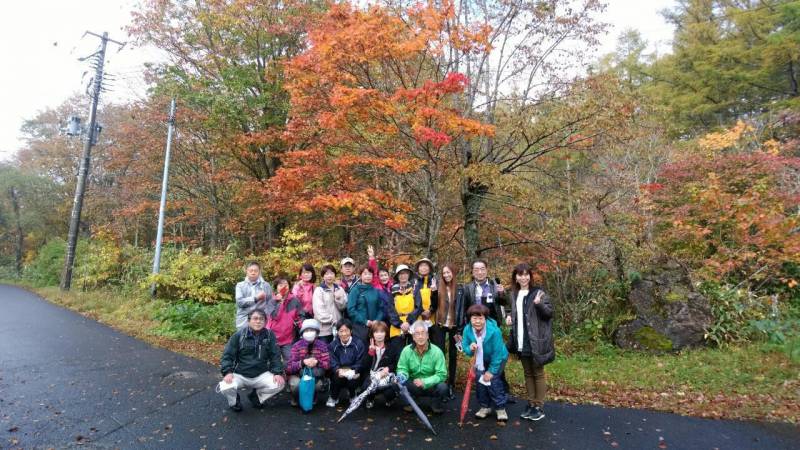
[
  {"x": 733, "y": 311},
  {"x": 192, "y": 275},
  {"x": 100, "y": 264},
  {"x": 45, "y": 269},
  {"x": 190, "y": 320}
]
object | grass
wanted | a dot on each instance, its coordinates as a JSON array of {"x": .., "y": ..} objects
[{"x": 746, "y": 382}]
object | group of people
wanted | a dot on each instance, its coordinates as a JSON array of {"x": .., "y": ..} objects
[{"x": 365, "y": 324}]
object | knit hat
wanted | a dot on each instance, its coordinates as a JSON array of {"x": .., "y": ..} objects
[{"x": 310, "y": 324}]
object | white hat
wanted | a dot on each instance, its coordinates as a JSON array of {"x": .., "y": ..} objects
[
  {"x": 400, "y": 268},
  {"x": 348, "y": 260}
]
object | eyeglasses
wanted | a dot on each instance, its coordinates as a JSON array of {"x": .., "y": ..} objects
[{"x": 257, "y": 319}]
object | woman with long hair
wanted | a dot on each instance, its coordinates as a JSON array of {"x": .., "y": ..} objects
[
  {"x": 531, "y": 337},
  {"x": 446, "y": 326}
]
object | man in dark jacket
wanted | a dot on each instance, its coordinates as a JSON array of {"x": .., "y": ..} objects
[
  {"x": 251, "y": 360},
  {"x": 482, "y": 291}
]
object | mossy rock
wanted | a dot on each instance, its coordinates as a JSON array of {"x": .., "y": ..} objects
[
  {"x": 651, "y": 339},
  {"x": 675, "y": 295}
]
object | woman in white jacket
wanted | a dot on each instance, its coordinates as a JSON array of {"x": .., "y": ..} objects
[{"x": 329, "y": 301}]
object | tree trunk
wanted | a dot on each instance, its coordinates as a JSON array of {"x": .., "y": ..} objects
[
  {"x": 792, "y": 80},
  {"x": 472, "y": 194},
  {"x": 12, "y": 192}
]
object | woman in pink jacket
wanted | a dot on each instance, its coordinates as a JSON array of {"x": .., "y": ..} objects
[
  {"x": 304, "y": 289},
  {"x": 285, "y": 318}
]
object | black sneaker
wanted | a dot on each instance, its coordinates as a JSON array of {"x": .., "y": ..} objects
[
  {"x": 253, "y": 397},
  {"x": 238, "y": 405},
  {"x": 527, "y": 412},
  {"x": 451, "y": 395},
  {"x": 537, "y": 413}
]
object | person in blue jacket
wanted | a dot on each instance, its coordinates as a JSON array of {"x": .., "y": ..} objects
[
  {"x": 347, "y": 354},
  {"x": 482, "y": 337}
]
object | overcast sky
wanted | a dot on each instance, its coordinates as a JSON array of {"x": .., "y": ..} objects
[{"x": 40, "y": 42}]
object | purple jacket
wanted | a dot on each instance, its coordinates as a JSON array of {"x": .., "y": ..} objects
[{"x": 300, "y": 351}]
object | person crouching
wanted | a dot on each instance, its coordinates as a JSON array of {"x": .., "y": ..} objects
[
  {"x": 483, "y": 338},
  {"x": 251, "y": 360}
]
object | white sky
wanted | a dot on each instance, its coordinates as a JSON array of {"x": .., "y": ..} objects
[{"x": 40, "y": 42}]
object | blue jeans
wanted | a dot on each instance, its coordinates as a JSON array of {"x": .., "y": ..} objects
[{"x": 494, "y": 394}]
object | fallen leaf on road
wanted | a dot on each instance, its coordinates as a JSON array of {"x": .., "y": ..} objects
[{"x": 493, "y": 437}]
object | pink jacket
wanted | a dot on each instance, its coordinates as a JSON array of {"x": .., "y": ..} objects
[
  {"x": 304, "y": 292},
  {"x": 285, "y": 320}
]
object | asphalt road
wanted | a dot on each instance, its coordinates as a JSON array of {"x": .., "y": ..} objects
[{"x": 67, "y": 381}]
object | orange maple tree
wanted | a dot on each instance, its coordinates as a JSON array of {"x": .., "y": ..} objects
[{"x": 369, "y": 105}]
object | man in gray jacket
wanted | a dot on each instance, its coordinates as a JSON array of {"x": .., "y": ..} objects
[{"x": 252, "y": 293}]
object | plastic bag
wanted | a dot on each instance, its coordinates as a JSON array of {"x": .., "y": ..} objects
[{"x": 306, "y": 390}]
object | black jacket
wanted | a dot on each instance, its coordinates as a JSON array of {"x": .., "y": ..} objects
[
  {"x": 388, "y": 359},
  {"x": 538, "y": 325},
  {"x": 251, "y": 355},
  {"x": 494, "y": 308}
]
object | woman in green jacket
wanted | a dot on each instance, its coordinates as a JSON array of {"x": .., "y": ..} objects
[
  {"x": 364, "y": 305},
  {"x": 482, "y": 337}
]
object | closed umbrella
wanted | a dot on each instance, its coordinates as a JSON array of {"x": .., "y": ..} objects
[{"x": 467, "y": 389}]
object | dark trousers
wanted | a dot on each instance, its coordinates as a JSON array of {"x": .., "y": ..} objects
[
  {"x": 440, "y": 393},
  {"x": 439, "y": 335},
  {"x": 493, "y": 395},
  {"x": 398, "y": 342},
  {"x": 337, "y": 383}
]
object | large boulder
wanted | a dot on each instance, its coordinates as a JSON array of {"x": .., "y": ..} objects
[{"x": 670, "y": 314}]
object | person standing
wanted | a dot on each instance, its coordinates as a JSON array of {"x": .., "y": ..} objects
[
  {"x": 349, "y": 278},
  {"x": 484, "y": 291},
  {"x": 251, "y": 360},
  {"x": 364, "y": 305},
  {"x": 425, "y": 287},
  {"x": 251, "y": 293},
  {"x": 404, "y": 307},
  {"x": 329, "y": 301},
  {"x": 303, "y": 290},
  {"x": 447, "y": 329},
  {"x": 531, "y": 336},
  {"x": 285, "y": 317},
  {"x": 483, "y": 338}
]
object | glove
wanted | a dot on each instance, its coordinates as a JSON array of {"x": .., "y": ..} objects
[{"x": 402, "y": 378}]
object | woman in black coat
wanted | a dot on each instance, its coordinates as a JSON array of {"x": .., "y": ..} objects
[
  {"x": 381, "y": 358},
  {"x": 531, "y": 336}
]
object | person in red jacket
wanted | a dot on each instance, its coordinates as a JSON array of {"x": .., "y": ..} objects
[
  {"x": 285, "y": 317},
  {"x": 381, "y": 278}
]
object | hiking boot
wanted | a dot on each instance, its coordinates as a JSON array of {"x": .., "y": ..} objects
[
  {"x": 536, "y": 414},
  {"x": 370, "y": 404},
  {"x": 483, "y": 413},
  {"x": 331, "y": 403},
  {"x": 238, "y": 405},
  {"x": 502, "y": 415},
  {"x": 293, "y": 401},
  {"x": 450, "y": 394}
]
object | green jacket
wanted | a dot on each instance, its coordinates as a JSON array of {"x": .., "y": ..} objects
[
  {"x": 430, "y": 367},
  {"x": 364, "y": 303},
  {"x": 494, "y": 349},
  {"x": 250, "y": 355}
]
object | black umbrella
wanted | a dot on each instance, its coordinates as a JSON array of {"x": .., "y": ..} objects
[{"x": 407, "y": 395}]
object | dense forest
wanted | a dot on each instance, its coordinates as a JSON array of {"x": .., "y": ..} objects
[{"x": 307, "y": 130}]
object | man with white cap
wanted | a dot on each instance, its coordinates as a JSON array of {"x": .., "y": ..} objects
[{"x": 349, "y": 277}]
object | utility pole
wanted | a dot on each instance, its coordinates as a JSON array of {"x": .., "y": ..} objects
[
  {"x": 160, "y": 233},
  {"x": 83, "y": 172}
]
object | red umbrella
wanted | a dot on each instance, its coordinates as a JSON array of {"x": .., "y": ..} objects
[{"x": 467, "y": 389}]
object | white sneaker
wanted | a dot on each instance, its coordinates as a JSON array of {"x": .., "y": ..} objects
[
  {"x": 483, "y": 413},
  {"x": 502, "y": 415},
  {"x": 331, "y": 403}
]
